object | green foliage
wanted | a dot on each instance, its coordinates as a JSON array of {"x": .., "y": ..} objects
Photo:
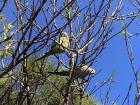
[
  {"x": 123, "y": 28},
  {"x": 53, "y": 90},
  {"x": 89, "y": 101},
  {"x": 2, "y": 17},
  {"x": 6, "y": 48},
  {"x": 6, "y": 90},
  {"x": 46, "y": 89},
  {"x": 6, "y": 79}
]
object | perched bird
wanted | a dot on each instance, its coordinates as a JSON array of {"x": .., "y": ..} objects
[
  {"x": 79, "y": 72},
  {"x": 58, "y": 47}
]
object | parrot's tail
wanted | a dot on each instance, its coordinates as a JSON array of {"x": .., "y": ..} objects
[
  {"x": 63, "y": 73},
  {"x": 45, "y": 55}
]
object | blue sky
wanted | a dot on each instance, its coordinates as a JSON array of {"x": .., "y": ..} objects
[{"x": 114, "y": 57}]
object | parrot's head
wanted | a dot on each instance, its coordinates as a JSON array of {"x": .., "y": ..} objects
[
  {"x": 64, "y": 40},
  {"x": 64, "y": 34},
  {"x": 91, "y": 70},
  {"x": 88, "y": 69}
]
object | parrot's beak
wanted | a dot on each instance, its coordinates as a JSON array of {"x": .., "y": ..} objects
[{"x": 92, "y": 71}]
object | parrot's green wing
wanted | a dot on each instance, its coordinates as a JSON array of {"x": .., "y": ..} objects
[
  {"x": 57, "y": 47},
  {"x": 83, "y": 70},
  {"x": 45, "y": 55},
  {"x": 63, "y": 43},
  {"x": 54, "y": 50}
]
